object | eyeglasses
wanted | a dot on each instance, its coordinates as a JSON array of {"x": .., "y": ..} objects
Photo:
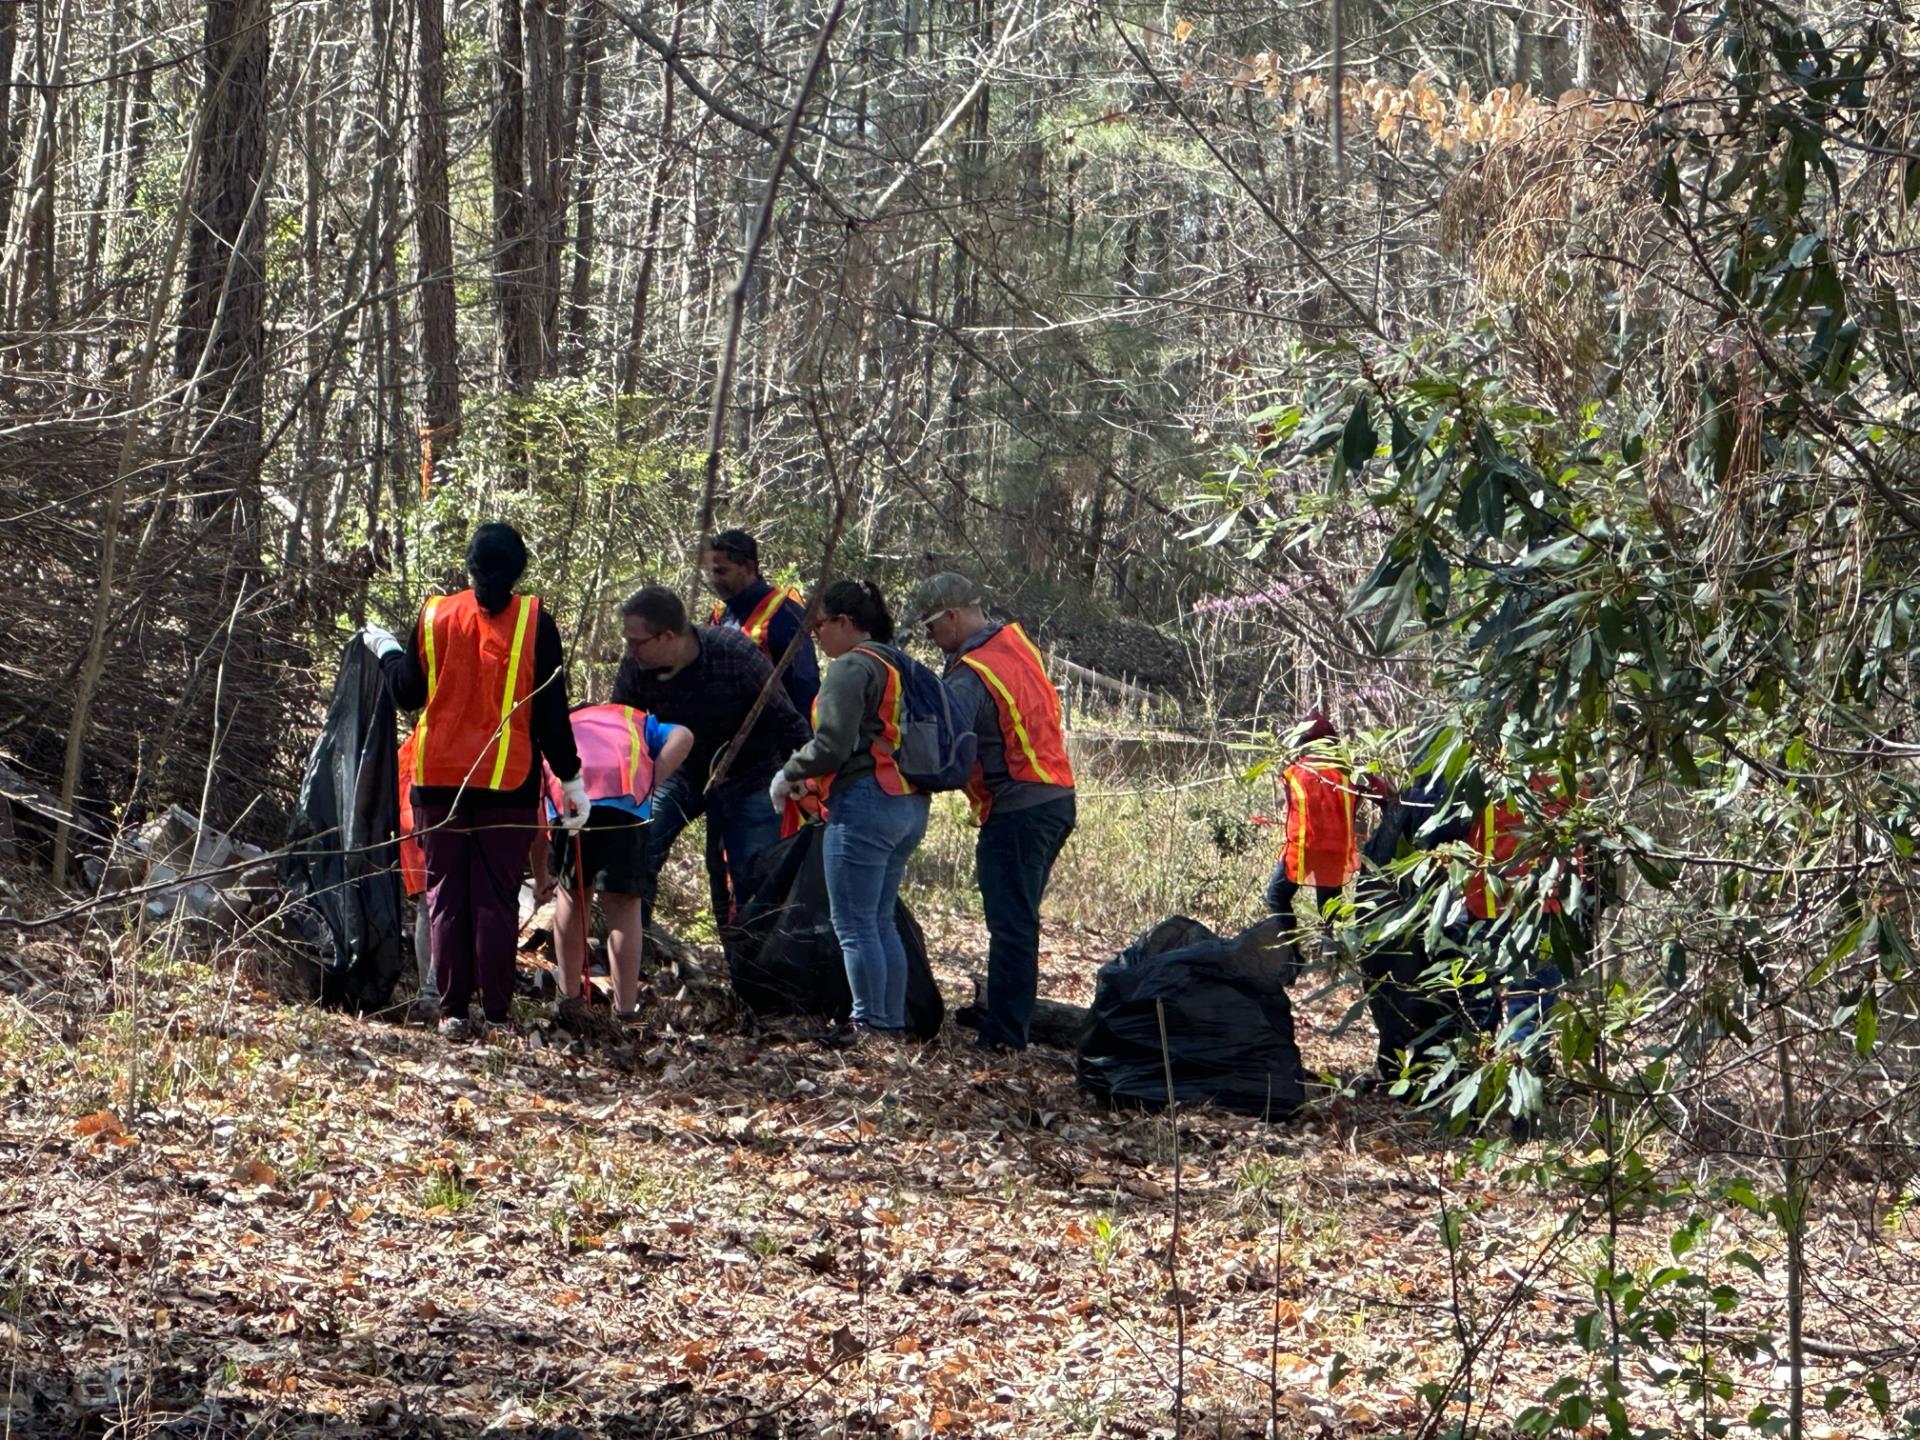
[{"x": 820, "y": 622}]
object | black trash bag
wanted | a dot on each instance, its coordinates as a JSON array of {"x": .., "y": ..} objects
[
  {"x": 785, "y": 959},
  {"x": 342, "y": 868},
  {"x": 1229, "y": 1025}
]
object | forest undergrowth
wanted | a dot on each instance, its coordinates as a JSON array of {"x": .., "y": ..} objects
[{"x": 228, "y": 1213}]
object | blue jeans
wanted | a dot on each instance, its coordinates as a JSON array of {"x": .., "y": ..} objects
[
  {"x": 869, "y": 836},
  {"x": 741, "y": 826},
  {"x": 1013, "y": 858}
]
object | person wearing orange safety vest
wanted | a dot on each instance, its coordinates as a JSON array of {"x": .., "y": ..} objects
[
  {"x": 486, "y": 670},
  {"x": 1495, "y": 837},
  {"x": 875, "y": 818},
  {"x": 768, "y": 615},
  {"x": 624, "y": 754},
  {"x": 1022, "y": 789},
  {"x": 1322, "y": 842},
  {"x": 1499, "y": 840}
]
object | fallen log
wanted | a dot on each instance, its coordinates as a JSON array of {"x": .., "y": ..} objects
[{"x": 1126, "y": 690}]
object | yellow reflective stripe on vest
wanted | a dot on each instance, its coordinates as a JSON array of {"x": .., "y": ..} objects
[
  {"x": 1012, "y": 711},
  {"x": 1297, "y": 797},
  {"x": 892, "y": 722},
  {"x": 762, "y": 617},
  {"x": 503, "y": 740},
  {"x": 433, "y": 681},
  {"x": 633, "y": 753},
  {"x": 1488, "y": 839}
]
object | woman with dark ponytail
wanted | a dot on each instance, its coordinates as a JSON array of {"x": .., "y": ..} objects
[
  {"x": 875, "y": 819},
  {"x": 485, "y": 668}
]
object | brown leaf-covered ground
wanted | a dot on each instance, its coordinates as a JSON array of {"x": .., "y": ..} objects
[{"x": 312, "y": 1224}]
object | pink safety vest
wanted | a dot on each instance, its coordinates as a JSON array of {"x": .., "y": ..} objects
[{"x": 614, "y": 763}]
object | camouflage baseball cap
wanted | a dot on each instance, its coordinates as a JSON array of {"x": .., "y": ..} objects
[{"x": 942, "y": 592}]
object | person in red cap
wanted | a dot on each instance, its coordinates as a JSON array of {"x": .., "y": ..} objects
[{"x": 1322, "y": 847}]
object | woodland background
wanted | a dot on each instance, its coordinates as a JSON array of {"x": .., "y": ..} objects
[
  {"x": 294, "y": 292},
  {"x": 1532, "y": 385}
]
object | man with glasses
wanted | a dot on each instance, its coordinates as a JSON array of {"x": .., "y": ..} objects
[
  {"x": 706, "y": 679},
  {"x": 1021, "y": 791}
]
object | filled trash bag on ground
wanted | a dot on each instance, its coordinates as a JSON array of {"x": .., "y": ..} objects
[
  {"x": 785, "y": 958},
  {"x": 1229, "y": 1026},
  {"x": 342, "y": 867}
]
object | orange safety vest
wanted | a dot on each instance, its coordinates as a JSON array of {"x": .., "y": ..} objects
[
  {"x": 477, "y": 729},
  {"x": 413, "y": 855},
  {"x": 614, "y": 761},
  {"x": 1029, "y": 706},
  {"x": 885, "y": 769},
  {"x": 1322, "y": 847},
  {"x": 754, "y": 627},
  {"x": 1496, "y": 835}
]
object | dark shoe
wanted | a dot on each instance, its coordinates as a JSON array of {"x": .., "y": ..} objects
[
  {"x": 423, "y": 1011},
  {"x": 571, "y": 1012},
  {"x": 850, "y": 1035},
  {"x": 458, "y": 1028}
]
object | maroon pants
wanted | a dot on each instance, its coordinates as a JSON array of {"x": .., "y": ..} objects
[{"x": 475, "y": 862}]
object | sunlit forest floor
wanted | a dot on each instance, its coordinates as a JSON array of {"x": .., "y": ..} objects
[{"x": 313, "y": 1224}]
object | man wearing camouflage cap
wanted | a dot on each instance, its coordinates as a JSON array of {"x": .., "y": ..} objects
[{"x": 1021, "y": 790}]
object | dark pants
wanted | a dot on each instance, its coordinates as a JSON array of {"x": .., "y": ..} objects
[
  {"x": 1280, "y": 893},
  {"x": 1013, "y": 858},
  {"x": 475, "y": 862},
  {"x": 741, "y": 826}
]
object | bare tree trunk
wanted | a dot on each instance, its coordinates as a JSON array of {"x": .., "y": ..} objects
[
  {"x": 656, "y": 219},
  {"x": 515, "y": 263},
  {"x": 222, "y": 336},
  {"x": 9, "y": 40},
  {"x": 433, "y": 239},
  {"x": 547, "y": 160},
  {"x": 113, "y": 118},
  {"x": 133, "y": 154},
  {"x": 31, "y": 262},
  {"x": 584, "y": 99}
]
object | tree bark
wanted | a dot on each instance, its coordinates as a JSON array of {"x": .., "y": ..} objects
[
  {"x": 656, "y": 220},
  {"x": 433, "y": 243},
  {"x": 584, "y": 97},
  {"x": 221, "y": 340},
  {"x": 9, "y": 40},
  {"x": 548, "y": 165},
  {"x": 515, "y": 261}
]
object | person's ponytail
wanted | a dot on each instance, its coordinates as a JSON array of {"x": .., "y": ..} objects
[
  {"x": 880, "y": 619},
  {"x": 861, "y": 602}
]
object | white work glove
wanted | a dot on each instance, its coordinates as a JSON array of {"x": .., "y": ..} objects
[
  {"x": 780, "y": 789},
  {"x": 380, "y": 642},
  {"x": 578, "y": 806}
]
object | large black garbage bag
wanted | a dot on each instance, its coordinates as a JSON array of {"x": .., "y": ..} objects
[
  {"x": 343, "y": 879},
  {"x": 785, "y": 958},
  {"x": 1229, "y": 1026}
]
